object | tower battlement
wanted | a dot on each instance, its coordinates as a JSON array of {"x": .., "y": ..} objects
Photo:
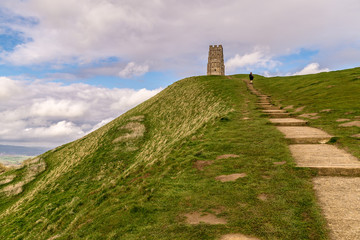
[{"x": 216, "y": 64}]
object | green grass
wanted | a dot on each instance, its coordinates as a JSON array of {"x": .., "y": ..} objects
[
  {"x": 338, "y": 91},
  {"x": 98, "y": 188}
]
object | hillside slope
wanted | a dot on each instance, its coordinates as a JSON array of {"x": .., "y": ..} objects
[
  {"x": 331, "y": 98},
  {"x": 138, "y": 176}
]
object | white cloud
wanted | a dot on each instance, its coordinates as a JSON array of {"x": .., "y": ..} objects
[
  {"x": 311, "y": 69},
  {"x": 50, "y": 114},
  {"x": 65, "y": 108},
  {"x": 173, "y": 34},
  {"x": 133, "y": 69},
  {"x": 59, "y": 129},
  {"x": 9, "y": 88},
  {"x": 250, "y": 61}
]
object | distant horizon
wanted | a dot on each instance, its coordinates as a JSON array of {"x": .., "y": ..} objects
[{"x": 21, "y": 150}]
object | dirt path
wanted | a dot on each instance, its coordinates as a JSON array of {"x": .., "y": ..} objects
[{"x": 339, "y": 196}]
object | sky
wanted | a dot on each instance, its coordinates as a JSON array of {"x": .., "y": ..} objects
[{"x": 68, "y": 67}]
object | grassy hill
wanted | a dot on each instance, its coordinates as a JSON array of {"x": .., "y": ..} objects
[
  {"x": 332, "y": 98},
  {"x": 138, "y": 176}
]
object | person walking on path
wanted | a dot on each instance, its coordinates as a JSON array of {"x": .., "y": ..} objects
[{"x": 251, "y": 76}]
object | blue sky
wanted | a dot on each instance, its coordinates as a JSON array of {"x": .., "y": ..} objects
[{"x": 59, "y": 57}]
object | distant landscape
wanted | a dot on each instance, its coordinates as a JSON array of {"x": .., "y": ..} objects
[
  {"x": 11, "y": 160},
  {"x": 14, "y": 155}
]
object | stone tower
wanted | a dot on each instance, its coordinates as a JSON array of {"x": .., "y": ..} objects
[{"x": 216, "y": 61}]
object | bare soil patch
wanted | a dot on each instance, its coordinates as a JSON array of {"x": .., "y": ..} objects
[
  {"x": 356, "y": 135},
  {"x": 342, "y": 120},
  {"x": 351, "y": 124},
  {"x": 279, "y": 163},
  {"x": 289, "y": 107},
  {"x": 197, "y": 218},
  {"x": 225, "y": 156},
  {"x": 231, "y": 177},
  {"x": 199, "y": 165},
  {"x": 263, "y": 197},
  {"x": 237, "y": 236},
  {"x": 308, "y": 115},
  {"x": 299, "y": 109},
  {"x": 326, "y": 110}
]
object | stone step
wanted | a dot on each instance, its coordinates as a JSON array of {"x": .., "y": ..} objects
[
  {"x": 287, "y": 122},
  {"x": 273, "y": 111},
  {"x": 303, "y": 135},
  {"x": 339, "y": 198},
  {"x": 269, "y": 107},
  {"x": 278, "y": 115},
  {"x": 327, "y": 160}
]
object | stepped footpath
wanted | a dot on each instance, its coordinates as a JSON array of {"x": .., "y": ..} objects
[{"x": 337, "y": 184}]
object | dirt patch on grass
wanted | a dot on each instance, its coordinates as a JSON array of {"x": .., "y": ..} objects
[
  {"x": 351, "y": 124},
  {"x": 197, "y": 218},
  {"x": 356, "y": 135},
  {"x": 342, "y": 120},
  {"x": 237, "y": 236},
  {"x": 299, "y": 109},
  {"x": 326, "y": 110},
  {"x": 279, "y": 163},
  {"x": 199, "y": 165},
  {"x": 266, "y": 177},
  {"x": 289, "y": 107},
  {"x": 263, "y": 197},
  {"x": 225, "y": 156},
  {"x": 231, "y": 177},
  {"x": 308, "y": 115}
]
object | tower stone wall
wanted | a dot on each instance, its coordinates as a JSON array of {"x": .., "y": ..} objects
[{"x": 216, "y": 64}]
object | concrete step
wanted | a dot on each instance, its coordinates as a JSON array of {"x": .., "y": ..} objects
[
  {"x": 328, "y": 160},
  {"x": 264, "y": 103},
  {"x": 288, "y": 122},
  {"x": 273, "y": 111},
  {"x": 269, "y": 107},
  {"x": 278, "y": 115},
  {"x": 264, "y": 98},
  {"x": 304, "y": 135},
  {"x": 339, "y": 198}
]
